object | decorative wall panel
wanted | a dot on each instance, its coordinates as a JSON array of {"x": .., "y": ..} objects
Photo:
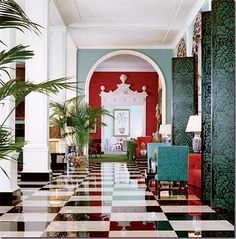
[
  {"x": 206, "y": 108},
  {"x": 183, "y": 99},
  {"x": 223, "y": 103}
]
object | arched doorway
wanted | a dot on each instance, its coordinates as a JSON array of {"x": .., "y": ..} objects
[
  {"x": 134, "y": 53},
  {"x": 154, "y": 68}
]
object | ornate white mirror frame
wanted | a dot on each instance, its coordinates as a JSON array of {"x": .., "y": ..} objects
[{"x": 124, "y": 96}]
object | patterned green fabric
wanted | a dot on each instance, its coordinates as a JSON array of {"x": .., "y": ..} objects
[
  {"x": 223, "y": 104},
  {"x": 151, "y": 147},
  {"x": 206, "y": 108},
  {"x": 131, "y": 149},
  {"x": 183, "y": 99},
  {"x": 172, "y": 163}
]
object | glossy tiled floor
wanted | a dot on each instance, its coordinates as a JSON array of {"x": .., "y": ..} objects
[{"x": 107, "y": 200}]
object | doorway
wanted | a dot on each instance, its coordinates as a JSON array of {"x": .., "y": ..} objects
[{"x": 135, "y": 65}]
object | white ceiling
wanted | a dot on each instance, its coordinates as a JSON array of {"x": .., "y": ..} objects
[{"x": 127, "y": 23}]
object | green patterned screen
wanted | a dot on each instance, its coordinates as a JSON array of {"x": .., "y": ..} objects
[
  {"x": 223, "y": 103},
  {"x": 206, "y": 108},
  {"x": 183, "y": 99}
]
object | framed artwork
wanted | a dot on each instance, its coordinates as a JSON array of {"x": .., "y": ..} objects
[{"x": 121, "y": 122}]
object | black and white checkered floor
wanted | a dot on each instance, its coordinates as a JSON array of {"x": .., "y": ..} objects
[{"x": 107, "y": 200}]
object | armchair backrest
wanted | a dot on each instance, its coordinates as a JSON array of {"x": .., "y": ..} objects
[
  {"x": 151, "y": 148},
  {"x": 172, "y": 163}
]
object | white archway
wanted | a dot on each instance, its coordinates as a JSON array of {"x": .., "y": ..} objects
[{"x": 134, "y": 53}]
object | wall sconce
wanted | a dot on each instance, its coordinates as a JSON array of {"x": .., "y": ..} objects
[
  {"x": 165, "y": 131},
  {"x": 195, "y": 125}
]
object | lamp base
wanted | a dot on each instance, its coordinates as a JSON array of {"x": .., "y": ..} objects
[{"x": 197, "y": 143}]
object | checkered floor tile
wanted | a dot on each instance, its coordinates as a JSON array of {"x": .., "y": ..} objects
[{"x": 107, "y": 200}]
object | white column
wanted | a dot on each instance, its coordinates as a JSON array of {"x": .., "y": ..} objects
[
  {"x": 36, "y": 150},
  {"x": 8, "y": 184},
  {"x": 71, "y": 64},
  {"x": 57, "y": 68},
  {"x": 57, "y": 58}
]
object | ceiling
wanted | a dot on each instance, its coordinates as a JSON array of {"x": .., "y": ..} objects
[
  {"x": 125, "y": 63},
  {"x": 127, "y": 23}
]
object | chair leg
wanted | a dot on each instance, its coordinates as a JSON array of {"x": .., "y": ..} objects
[
  {"x": 156, "y": 187},
  {"x": 159, "y": 189},
  {"x": 186, "y": 189}
]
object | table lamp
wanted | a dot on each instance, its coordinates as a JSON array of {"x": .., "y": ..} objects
[
  {"x": 165, "y": 131},
  {"x": 195, "y": 125}
]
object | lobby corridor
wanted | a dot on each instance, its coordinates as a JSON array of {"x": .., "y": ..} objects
[{"x": 107, "y": 200}]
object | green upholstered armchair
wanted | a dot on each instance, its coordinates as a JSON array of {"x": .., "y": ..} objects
[
  {"x": 172, "y": 166},
  {"x": 152, "y": 149},
  {"x": 131, "y": 149}
]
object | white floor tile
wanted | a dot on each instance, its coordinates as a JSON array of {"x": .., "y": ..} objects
[
  {"x": 90, "y": 198},
  {"x": 132, "y": 193},
  {"x": 130, "y": 203},
  {"x": 97, "y": 183},
  {"x": 4, "y": 209},
  {"x": 28, "y": 217},
  {"x": 86, "y": 209},
  {"x": 42, "y": 203},
  {"x": 61, "y": 186},
  {"x": 20, "y": 234},
  {"x": 142, "y": 234},
  {"x": 79, "y": 226},
  {"x": 188, "y": 208},
  {"x": 94, "y": 189},
  {"x": 205, "y": 225},
  {"x": 53, "y": 193},
  {"x": 148, "y": 216}
]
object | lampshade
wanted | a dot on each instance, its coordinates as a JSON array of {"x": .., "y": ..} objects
[
  {"x": 165, "y": 129},
  {"x": 194, "y": 124}
]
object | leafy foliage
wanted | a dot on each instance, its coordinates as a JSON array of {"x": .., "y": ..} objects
[
  {"x": 12, "y": 16},
  {"x": 79, "y": 117}
]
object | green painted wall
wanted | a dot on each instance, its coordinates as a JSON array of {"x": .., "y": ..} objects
[{"x": 86, "y": 58}]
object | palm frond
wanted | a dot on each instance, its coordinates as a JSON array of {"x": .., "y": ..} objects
[
  {"x": 8, "y": 144},
  {"x": 20, "y": 89},
  {"x": 15, "y": 54},
  {"x": 12, "y": 16}
]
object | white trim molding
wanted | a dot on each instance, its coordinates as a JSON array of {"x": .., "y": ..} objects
[{"x": 123, "y": 95}]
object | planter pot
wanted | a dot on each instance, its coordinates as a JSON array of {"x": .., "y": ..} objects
[
  {"x": 143, "y": 152},
  {"x": 80, "y": 162}
]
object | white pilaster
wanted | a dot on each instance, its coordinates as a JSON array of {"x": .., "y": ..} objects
[
  {"x": 57, "y": 58},
  {"x": 36, "y": 150},
  {"x": 8, "y": 183},
  {"x": 71, "y": 64}
]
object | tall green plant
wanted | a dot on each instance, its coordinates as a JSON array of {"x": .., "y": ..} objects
[
  {"x": 83, "y": 119},
  {"x": 79, "y": 117},
  {"x": 12, "y": 16},
  {"x": 60, "y": 116}
]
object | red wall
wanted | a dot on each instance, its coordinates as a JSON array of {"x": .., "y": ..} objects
[{"x": 137, "y": 80}]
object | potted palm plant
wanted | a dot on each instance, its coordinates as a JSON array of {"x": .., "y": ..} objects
[
  {"x": 12, "y": 16},
  {"x": 81, "y": 119}
]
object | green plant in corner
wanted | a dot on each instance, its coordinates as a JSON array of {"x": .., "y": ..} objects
[
  {"x": 12, "y": 16},
  {"x": 83, "y": 119},
  {"x": 79, "y": 117}
]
